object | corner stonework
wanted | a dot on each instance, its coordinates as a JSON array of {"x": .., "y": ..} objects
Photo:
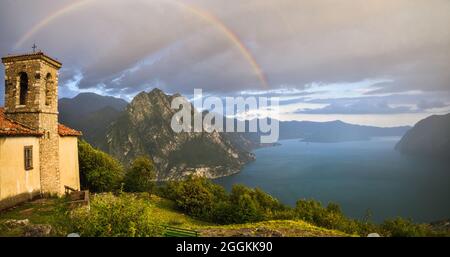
[{"x": 36, "y": 107}]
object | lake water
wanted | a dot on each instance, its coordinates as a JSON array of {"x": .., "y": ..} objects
[{"x": 357, "y": 175}]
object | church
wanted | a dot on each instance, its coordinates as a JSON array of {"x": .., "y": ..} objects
[{"x": 38, "y": 155}]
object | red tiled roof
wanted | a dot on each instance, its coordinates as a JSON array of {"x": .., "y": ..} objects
[
  {"x": 66, "y": 131},
  {"x": 12, "y": 128}
]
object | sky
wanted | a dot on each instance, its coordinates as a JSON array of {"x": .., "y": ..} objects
[{"x": 373, "y": 62}]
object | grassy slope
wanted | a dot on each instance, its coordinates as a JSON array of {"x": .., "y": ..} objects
[
  {"x": 42, "y": 211},
  {"x": 52, "y": 212}
]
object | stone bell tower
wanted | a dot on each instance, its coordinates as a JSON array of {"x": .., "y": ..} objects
[{"x": 31, "y": 98}]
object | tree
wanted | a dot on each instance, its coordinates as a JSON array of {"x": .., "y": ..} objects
[
  {"x": 196, "y": 196},
  {"x": 247, "y": 210},
  {"x": 141, "y": 176},
  {"x": 99, "y": 172},
  {"x": 399, "y": 227},
  {"x": 245, "y": 204}
]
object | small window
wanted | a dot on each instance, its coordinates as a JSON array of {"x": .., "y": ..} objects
[
  {"x": 48, "y": 89},
  {"x": 23, "y": 88},
  {"x": 28, "y": 156}
]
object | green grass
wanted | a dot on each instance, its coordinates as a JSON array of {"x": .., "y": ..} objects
[
  {"x": 43, "y": 211},
  {"x": 55, "y": 213},
  {"x": 289, "y": 228},
  {"x": 164, "y": 211}
]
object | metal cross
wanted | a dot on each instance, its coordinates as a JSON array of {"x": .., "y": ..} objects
[{"x": 34, "y": 48}]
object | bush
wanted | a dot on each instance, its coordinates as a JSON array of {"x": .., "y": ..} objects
[
  {"x": 245, "y": 208},
  {"x": 201, "y": 198},
  {"x": 404, "y": 228},
  {"x": 331, "y": 217},
  {"x": 250, "y": 205},
  {"x": 196, "y": 196},
  {"x": 141, "y": 176},
  {"x": 112, "y": 216},
  {"x": 309, "y": 210},
  {"x": 99, "y": 172},
  {"x": 223, "y": 213}
]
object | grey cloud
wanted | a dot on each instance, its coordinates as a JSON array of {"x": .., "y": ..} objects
[
  {"x": 358, "y": 107},
  {"x": 385, "y": 104},
  {"x": 294, "y": 43},
  {"x": 427, "y": 104}
]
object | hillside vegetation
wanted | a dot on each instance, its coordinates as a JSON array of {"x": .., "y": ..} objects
[
  {"x": 132, "y": 215},
  {"x": 128, "y": 202}
]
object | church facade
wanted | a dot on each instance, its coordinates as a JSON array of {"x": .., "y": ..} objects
[{"x": 38, "y": 156}]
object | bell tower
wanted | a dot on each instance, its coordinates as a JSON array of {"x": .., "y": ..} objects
[
  {"x": 31, "y": 98},
  {"x": 31, "y": 89}
]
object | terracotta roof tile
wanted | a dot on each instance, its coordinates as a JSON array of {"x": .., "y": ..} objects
[
  {"x": 66, "y": 131},
  {"x": 11, "y": 128}
]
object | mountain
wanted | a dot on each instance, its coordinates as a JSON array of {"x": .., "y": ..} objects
[
  {"x": 85, "y": 103},
  {"x": 335, "y": 131},
  {"x": 92, "y": 114},
  {"x": 144, "y": 129},
  {"x": 430, "y": 137}
]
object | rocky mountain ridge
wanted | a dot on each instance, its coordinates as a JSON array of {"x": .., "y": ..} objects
[{"x": 144, "y": 129}]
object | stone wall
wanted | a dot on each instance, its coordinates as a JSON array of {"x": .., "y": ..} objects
[
  {"x": 49, "y": 153},
  {"x": 42, "y": 94},
  {"x": 40, "y": 110}
]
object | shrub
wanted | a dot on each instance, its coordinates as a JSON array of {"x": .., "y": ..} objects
[
  {"x": 309, "y": 210},
  {"x": 267, "y": 202},
  {"x": 141, "y": 176},
  {"x": 246, "y": 209},
  {"x": 223, "y": 213},
  {"x": 331, "y": 217},
  {"x": 334, "y": 208},
  {"x": 245, "y": 204},
  {"x": 99, "y": 172},
  {"x": 404, "y": 228},
  {"x": 203, "y": 199},
  {"x": 111, "y": 216},
  {"x": 196, "y": 196}
]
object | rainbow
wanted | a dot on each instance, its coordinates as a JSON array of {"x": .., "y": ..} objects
[{"x": 196, "y": 11}]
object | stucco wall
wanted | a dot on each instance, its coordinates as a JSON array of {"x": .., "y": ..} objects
[
  {"x": 16, "y": 183},
  {"x": 68, "y": 163}
]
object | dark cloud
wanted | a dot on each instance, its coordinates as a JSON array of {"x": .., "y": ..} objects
[
  {"x": 123, "y": 47},
  {"x": 294, "y": 42}
]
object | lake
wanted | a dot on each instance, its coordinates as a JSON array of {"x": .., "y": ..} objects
[{"x": 358, "y": 176}]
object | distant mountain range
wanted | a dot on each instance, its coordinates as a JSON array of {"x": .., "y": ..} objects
[
  {"x": 335, "y": 131},
  {"x": 430, "y": 137},
  {"x": 92, "y": 114},
  {"x": 142, "y": 127}
]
